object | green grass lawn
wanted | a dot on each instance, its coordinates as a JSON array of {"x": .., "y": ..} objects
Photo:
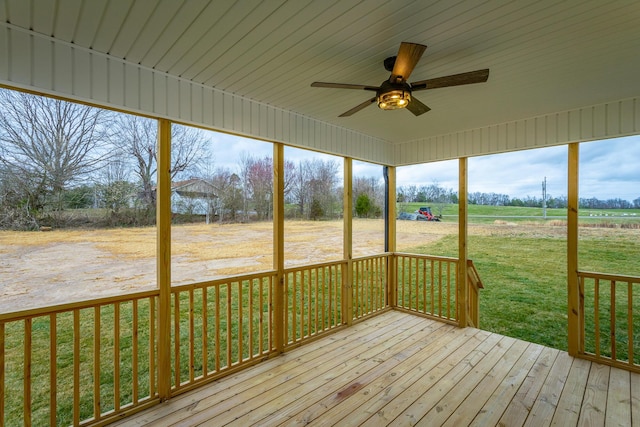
[
  {"x": 525, "y": 277},
  {"x": 488, "y": 214}
]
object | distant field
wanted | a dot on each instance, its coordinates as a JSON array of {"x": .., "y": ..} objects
[{"x": 487, "y": 214}]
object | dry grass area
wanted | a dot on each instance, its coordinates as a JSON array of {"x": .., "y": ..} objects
[{"x": 43, "y": 268}]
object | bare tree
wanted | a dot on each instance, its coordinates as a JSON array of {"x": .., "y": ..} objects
[
  {"x": 137, "y": 136},
  {"x": 49, "y": 144},
  {"x": 313, "y": 182},
  {"x": 229, "y": 189},
  {"x": 115, "y": 189},
  {"x": 260, "y": 181}
]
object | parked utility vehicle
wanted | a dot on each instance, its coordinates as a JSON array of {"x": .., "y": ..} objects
[{"x": 426, "y": 211}]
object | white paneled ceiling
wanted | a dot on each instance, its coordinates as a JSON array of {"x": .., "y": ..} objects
[{"x": 545, "y": 56}]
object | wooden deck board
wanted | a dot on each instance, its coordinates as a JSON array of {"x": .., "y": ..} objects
[
  {"x": 519, "y": 407},
  {"x": 476, "y": 398},
  {"x": 619, "y": 398},
  {"x": 364, "y": 405},
  {"x": 491, "y": 412},
  {"x": 593, "y": 405},
  {"x": 543, "y": 409},
  {"x": 571, "y": 399},
  {"x": 400, "y": 369}
]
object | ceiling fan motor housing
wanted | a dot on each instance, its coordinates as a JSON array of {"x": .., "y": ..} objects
[
  {"x": 392, "y": 96},
  {"x": 389, "y": 63}
]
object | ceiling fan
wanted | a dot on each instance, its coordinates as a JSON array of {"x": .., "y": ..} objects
[{"x": 396, "y": 92}]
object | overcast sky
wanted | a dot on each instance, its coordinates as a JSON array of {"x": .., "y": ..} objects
[{"x": 608, "y": 168}]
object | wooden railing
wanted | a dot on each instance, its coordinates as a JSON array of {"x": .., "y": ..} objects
[
  {"x": 313, "y": 301},
  {"x": 220, "y": 325},
  {"x": 427, "y": 285},
  {"x": 609, "y": 333},
  {"x": 369, "y": 287},
  {"x": 474, "y": 284},
  {"x": 81, "y": 362},
  {"x": 91, "y": 362}
]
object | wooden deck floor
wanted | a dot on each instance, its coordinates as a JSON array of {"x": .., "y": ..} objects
[{"x": 400, "y": 369}]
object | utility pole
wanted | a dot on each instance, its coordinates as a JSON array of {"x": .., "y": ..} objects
[{"x": 544, "y": 198}]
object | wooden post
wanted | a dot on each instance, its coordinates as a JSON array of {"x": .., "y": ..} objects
[
  {"x": 392, "y": 277},
  {"x": 347, "y": 217},
  {"x": 463, "y": 289},
  {"x": 163, "y": 230},
  {"x": 278, "y": 246},
  {"x": 573, "y": 295}
]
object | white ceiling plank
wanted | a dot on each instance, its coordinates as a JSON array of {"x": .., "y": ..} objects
[
  {"x": 252, "y": 52},
  {"x": 111, "y": 25},
  {"x": 162, "y": 13},
  {"x": 66, "y": 19},
  {"x": 43, "y": 20},
  {"x": 90, "y": 17},
  {"x": 192, "y": 35},
  {"x": 231, "y": 33},
  {"x": 18, "y": 12},
  {"x": 180, "y": 22},
  {"x": 133, "y": 25},
  {"x": 4, "y": 13}
]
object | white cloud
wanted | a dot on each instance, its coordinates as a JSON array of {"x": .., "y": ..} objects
[
  {"x": 520, "y": 174},
  {"x": 610, "y": 168}
]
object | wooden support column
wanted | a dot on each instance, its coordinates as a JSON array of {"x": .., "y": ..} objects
[
  {"x": 278, "y": 246},
  {"x": 347, "y": 229},
  {"x": 573, "y": 293},
  {"x": 463, "y": 288},
  {"x": 163, "y": 257},
  {"x": 390, "y": 229}
]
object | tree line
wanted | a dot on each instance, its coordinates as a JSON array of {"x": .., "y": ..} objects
[
  {"x": 436, "y": 194},
  {"x": 57, "y": 157}
]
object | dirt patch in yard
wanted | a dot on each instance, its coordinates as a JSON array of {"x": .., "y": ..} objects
[{"x": 47, "y": 268}]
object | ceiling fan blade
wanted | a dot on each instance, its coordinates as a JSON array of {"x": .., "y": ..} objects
[
  {"x": 478, "y": 76},
  {"x": 358, "y": 107},
  {"x": 417, "y": 107},
  {"x": 344, "y": 86},
  {"x": 408, "y": 56}
]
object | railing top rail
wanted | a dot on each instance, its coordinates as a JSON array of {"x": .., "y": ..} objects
[
  {"x": 607, "y": 276},
  {"x": 475, "y": 274},
  {"x": 76, "y": 305},
  {"x": 433, "y": 257},
  {"x": 222, "y": 281},
  {"x": 366, "y": 257},
  {"x": 312, "y": 266}
]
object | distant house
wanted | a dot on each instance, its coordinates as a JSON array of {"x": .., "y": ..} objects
[{"x": 194, "y": 196}]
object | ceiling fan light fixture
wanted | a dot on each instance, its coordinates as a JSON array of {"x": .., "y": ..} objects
[
  {"x": 394, "y": 99},
  {"x": 395, "y": 92}
]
